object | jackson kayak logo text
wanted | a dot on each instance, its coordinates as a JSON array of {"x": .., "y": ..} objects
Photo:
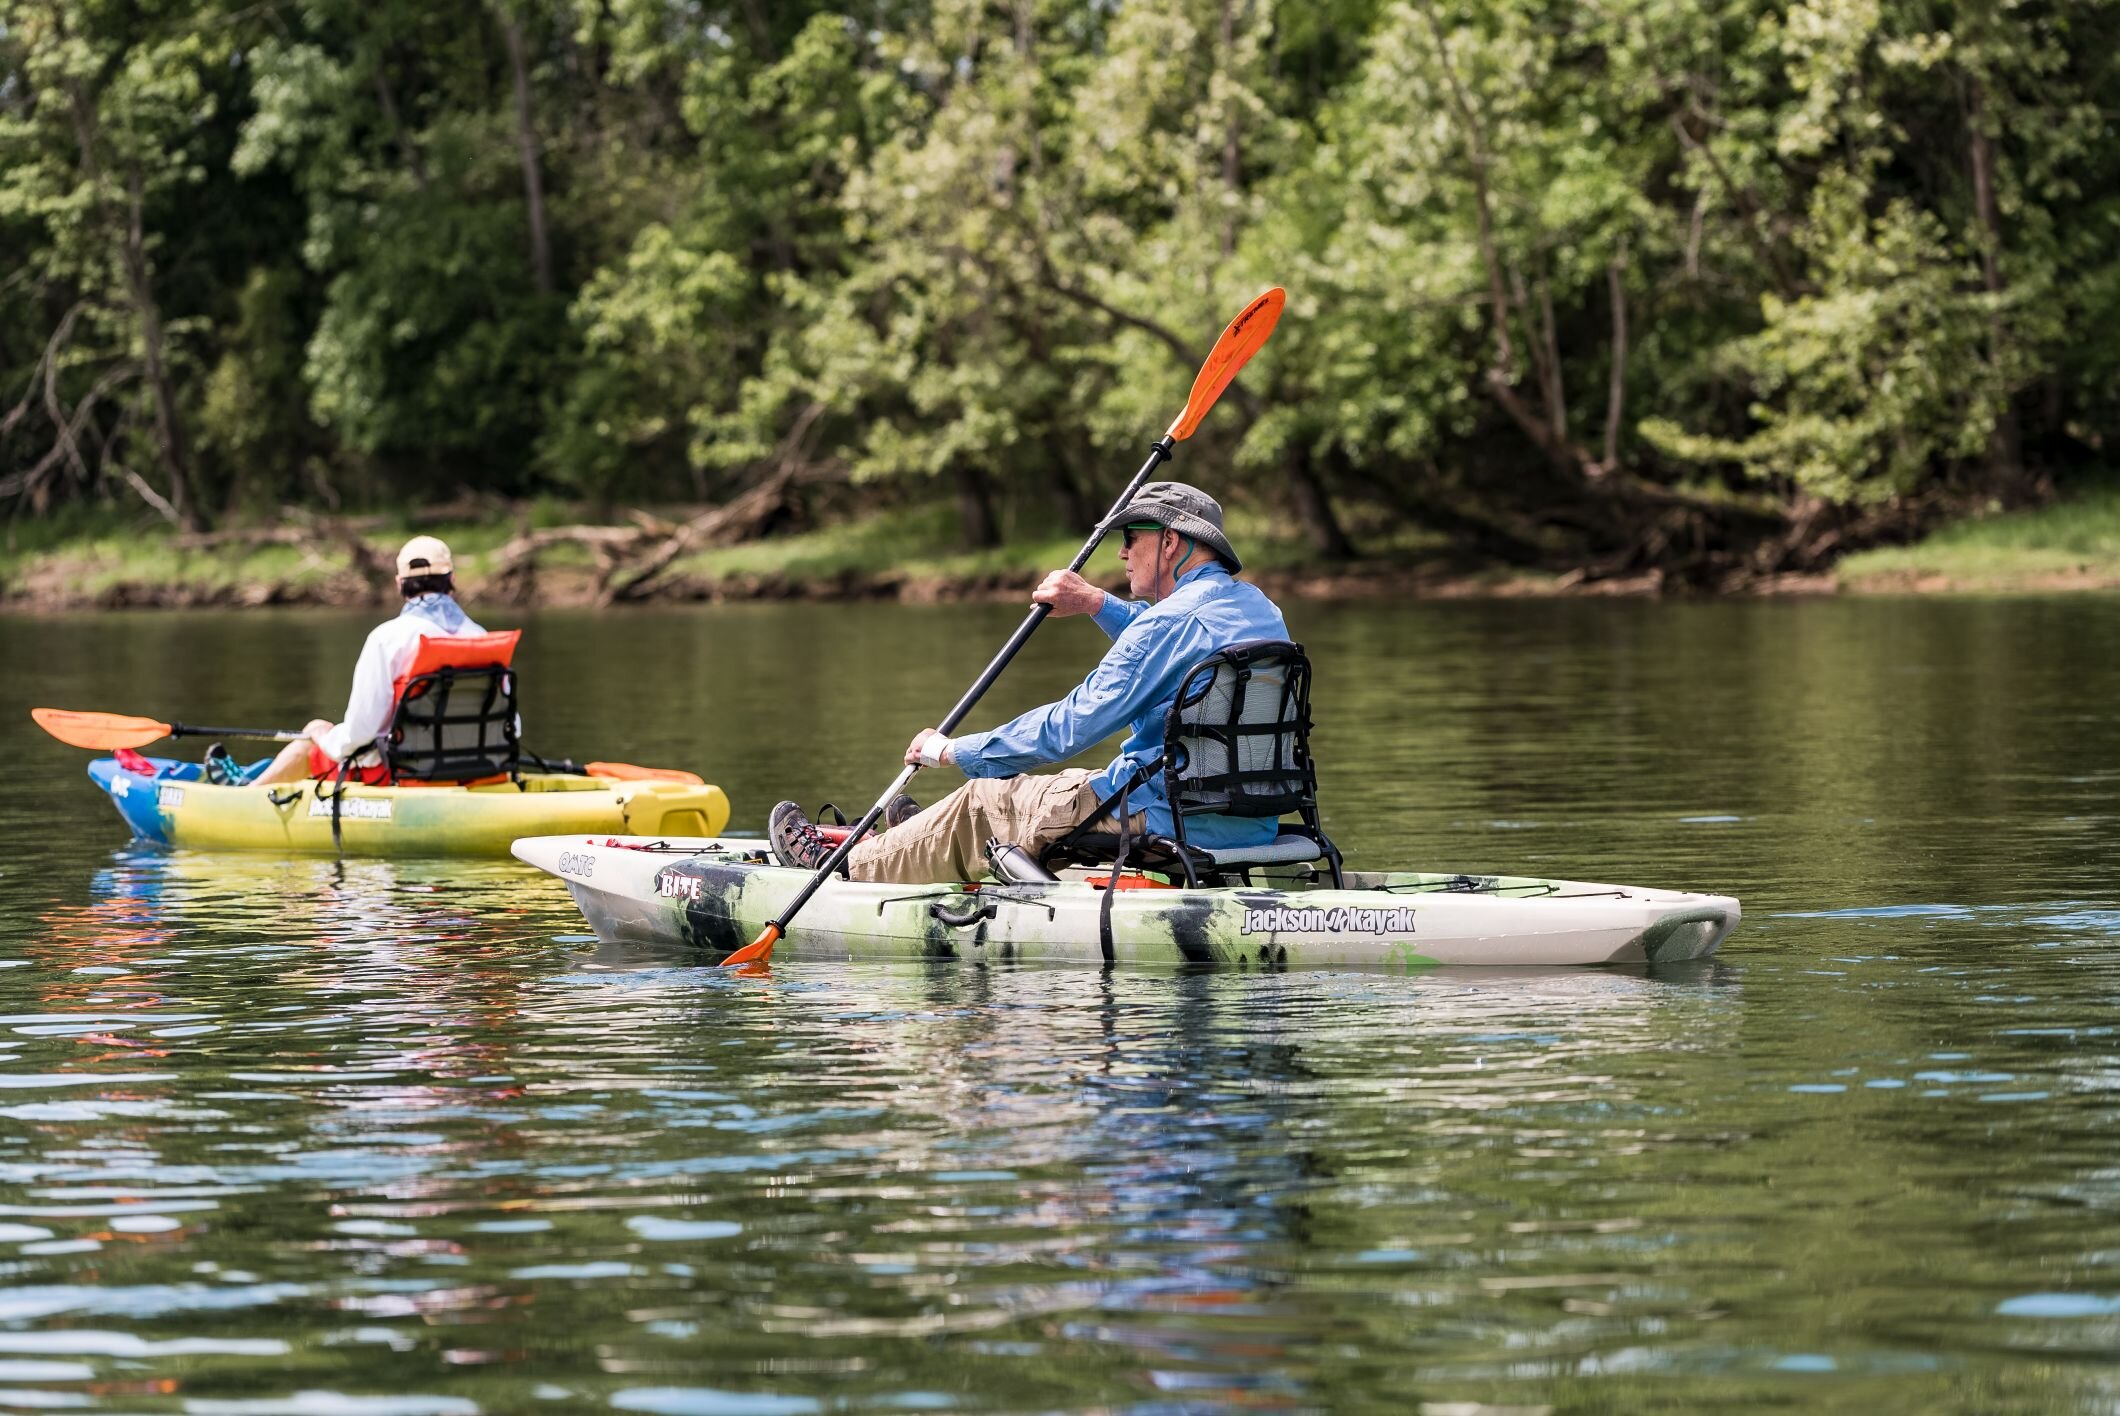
[
  {"x": 672, "y": 886},
  {"x": 353, "y": 808},
  {"x": 1340, "y": 919}
]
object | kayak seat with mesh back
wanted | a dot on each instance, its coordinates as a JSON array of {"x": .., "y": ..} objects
[
  {"x": 1236, "y": 742},
  {"x": 456, "y": 719}
]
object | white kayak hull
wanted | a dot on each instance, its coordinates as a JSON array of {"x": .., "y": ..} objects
[{"x": 717, "y": 894}]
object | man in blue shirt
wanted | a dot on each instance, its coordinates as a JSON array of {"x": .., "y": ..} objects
[{"x": 1189, "y": 604}]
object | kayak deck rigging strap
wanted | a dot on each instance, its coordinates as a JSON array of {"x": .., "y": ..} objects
[
  {"x": 661, "y": 847},
  {"x": 929, "y": 895},
  {"x": 970, "y": 890},
  {"x": 338, "y": 798},
  {"x": 1528, "y": 889}
]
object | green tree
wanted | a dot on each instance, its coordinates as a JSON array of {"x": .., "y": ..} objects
[{"x": 108, "y": 117}]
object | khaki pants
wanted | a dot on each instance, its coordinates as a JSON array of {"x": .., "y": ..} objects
[{"x": 947, "y": 841}]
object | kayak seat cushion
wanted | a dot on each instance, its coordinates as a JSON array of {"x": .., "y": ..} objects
[
  {"x": 1164, "y": 855},
  {"x": 1289, "y": 848}
]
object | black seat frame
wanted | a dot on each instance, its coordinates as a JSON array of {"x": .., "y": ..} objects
[
  {"x": 1288, "y": 785},
  {"x": 418, "y": 746}
]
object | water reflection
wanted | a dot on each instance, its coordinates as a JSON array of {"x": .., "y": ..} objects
[
  {"x": 323, "y": 1091},
  {"x": 307, "y": 1137}
]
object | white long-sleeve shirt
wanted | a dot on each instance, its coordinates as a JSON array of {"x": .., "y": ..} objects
[{"x": 388, "y": 652}]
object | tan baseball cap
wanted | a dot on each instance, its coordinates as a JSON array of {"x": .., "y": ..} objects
[{"x": 423, "y": 555}]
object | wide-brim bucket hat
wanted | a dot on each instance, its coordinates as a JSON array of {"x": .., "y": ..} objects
[{"x": 1183, "y": 508}]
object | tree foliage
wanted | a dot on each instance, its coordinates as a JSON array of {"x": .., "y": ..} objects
[{"x": 1707, "y": 286}]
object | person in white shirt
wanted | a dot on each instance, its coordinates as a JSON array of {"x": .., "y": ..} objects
[{"x": 426, "y": 579}]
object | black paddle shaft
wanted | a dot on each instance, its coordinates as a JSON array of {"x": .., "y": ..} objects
[
  {"x": 177, "y": 730},
  {"x": 1158, "y": 454}
]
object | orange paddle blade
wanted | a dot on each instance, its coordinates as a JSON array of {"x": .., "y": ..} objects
[
  {"x": 757, "y": 951},
  {"x": 1244, "y": 337},
  {"x": 627, "y": 772},
  {"x": 99, "y": 732}
]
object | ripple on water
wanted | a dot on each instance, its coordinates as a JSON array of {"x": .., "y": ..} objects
[{"x": 367, "y": 1138}]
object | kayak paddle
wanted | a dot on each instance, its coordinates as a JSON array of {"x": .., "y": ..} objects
[
  {"x": 108, "y": 732},
  {"x": 1246, "y": 333},
  {"x": 627, "y": 772}
]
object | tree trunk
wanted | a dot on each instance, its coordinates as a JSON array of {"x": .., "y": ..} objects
[
  {"x": 975, "y": 508},
  {"x": 754, "y": 18},
  {"x": 1230, "y": 164},
  {"x": 1616, "y": 397},
  {"x": 1755, "y": 225},
  {"x": 1504, "y": 369},
  {"x": 140, "y": 292},
  {"x": 1314, "y": 505},
  {"x": 169, "y": 420},
  {"x": 1547, "y": 433},
  {"x": 526, "y": 145},
  {"x": 1070, "y": 502},
  {"x": 2004, "y": 450},
  {"x": 388, "y": 102}
]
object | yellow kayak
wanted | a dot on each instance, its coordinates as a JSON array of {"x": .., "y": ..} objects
[{"x": 179, "y": 808}]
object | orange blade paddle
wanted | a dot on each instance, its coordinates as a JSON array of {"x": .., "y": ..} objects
[
  {"x": 757, "y": 951},
  {"x": 99, "y": 732},
  {"x": 1246, "y": 333},
  {"x": 627, "y": 772}
]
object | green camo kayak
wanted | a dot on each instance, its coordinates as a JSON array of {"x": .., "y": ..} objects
[{"x": 717, "y": 894}]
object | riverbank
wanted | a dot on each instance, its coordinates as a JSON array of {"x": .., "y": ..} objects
[{"x": 542, "y": 556}]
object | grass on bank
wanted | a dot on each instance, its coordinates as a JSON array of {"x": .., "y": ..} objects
[
  {"x": 85, "y": 552},
  {"x": 2072, "y": 542},
  {"x": 81, "y": 555},
  {"x": 923, "y": 544}
]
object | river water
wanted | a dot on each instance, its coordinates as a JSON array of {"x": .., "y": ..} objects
[{"x": 392, "y": 1139}]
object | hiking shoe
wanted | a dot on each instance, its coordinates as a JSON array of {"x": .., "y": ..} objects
[
  {"x": 220, "y": 768},
  {"x": 901, "y": 810},
  {"x": 794, "y": 841}
]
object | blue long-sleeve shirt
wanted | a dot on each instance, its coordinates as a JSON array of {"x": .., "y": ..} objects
[{"x": 1133, "y": 687}]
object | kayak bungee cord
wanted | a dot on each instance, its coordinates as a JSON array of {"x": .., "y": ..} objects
[{"x": 1245, "y": 335}]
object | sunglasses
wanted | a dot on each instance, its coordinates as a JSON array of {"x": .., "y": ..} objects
[{"x": 1127, "y": 534}]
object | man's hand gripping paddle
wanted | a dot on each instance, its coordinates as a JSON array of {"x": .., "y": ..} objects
[{"x": 1246, "y": 333}]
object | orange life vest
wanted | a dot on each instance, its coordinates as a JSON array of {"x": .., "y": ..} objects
[{"x": 461, "y": 651}]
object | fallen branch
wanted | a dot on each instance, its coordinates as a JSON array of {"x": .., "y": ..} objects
[
  {"x": 148, "y": 494},
  {"x": 512, "y": 571},
  {"x": 737, "y": 521}
]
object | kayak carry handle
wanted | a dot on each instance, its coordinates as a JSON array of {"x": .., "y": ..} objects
[{"x": 958, "y": 920}]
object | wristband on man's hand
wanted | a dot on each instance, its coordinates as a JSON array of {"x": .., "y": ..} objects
[{"x": 932, "y": 749}]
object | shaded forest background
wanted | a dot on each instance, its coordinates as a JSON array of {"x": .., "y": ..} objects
[{"x": 1719, "y": 288}]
